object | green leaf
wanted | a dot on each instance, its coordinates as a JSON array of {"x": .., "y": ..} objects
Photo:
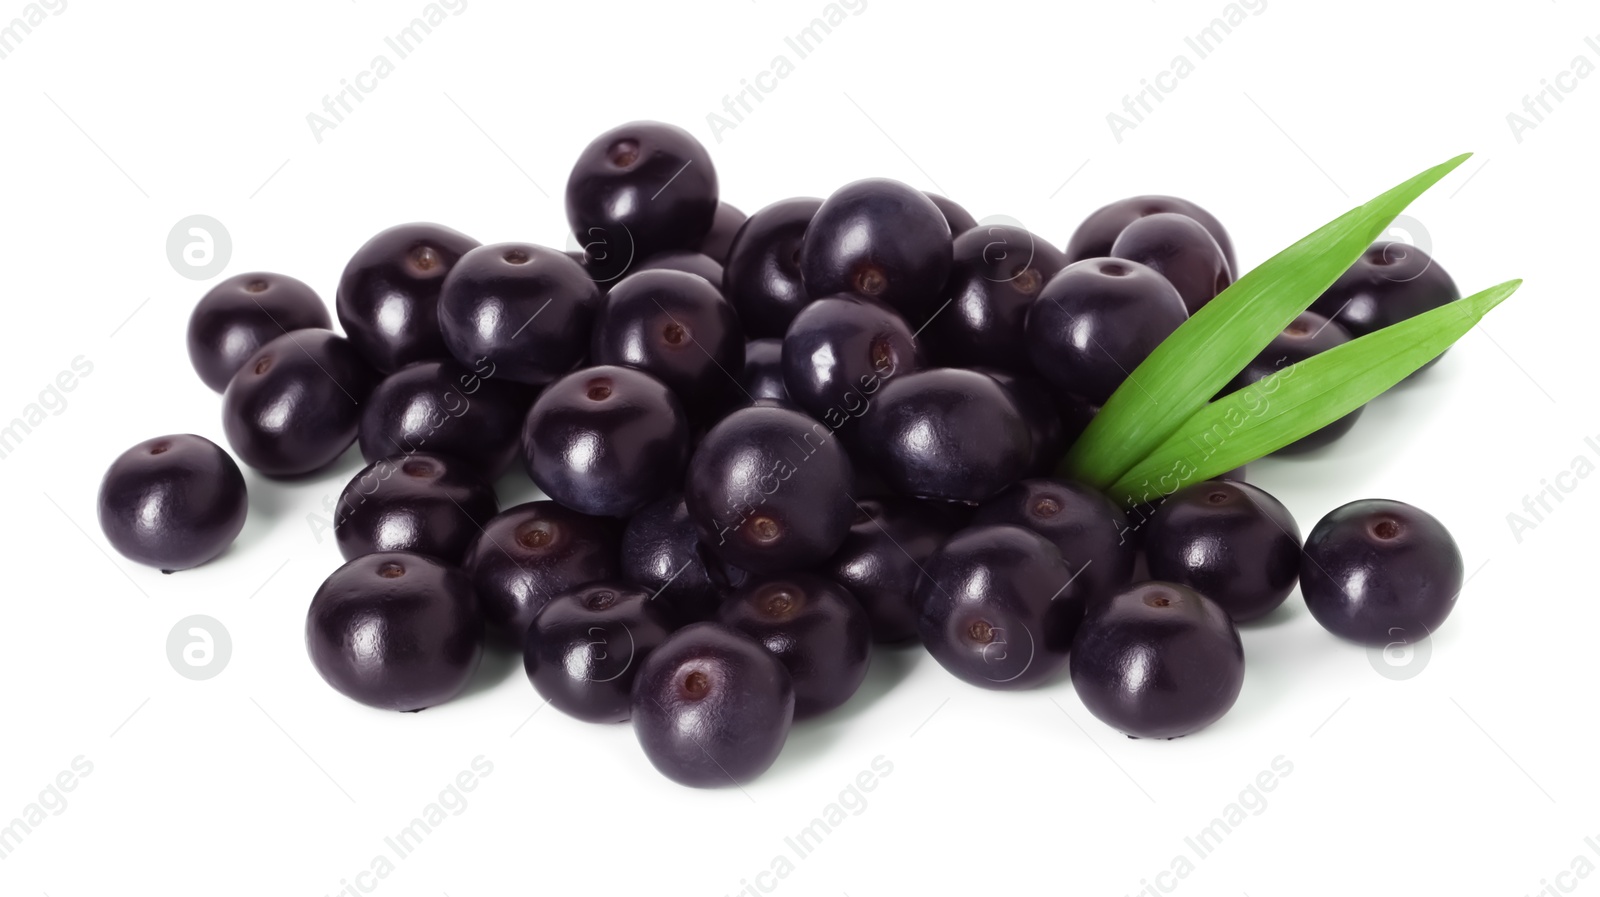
[
  {"x": 1300, "y": 399},
  {"x": 1209, "y": 349}
]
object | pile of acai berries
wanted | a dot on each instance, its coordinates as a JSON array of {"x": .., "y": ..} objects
[{"x": 769, "y": 444}]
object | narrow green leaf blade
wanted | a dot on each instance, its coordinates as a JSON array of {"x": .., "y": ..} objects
[
  {"x": 1202, "y": 355},
  {"x": 1300, "y": 399}
]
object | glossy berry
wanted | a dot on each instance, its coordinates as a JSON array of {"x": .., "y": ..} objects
[
  {"x": 1096, "y": 321},
  {"x": 1047, "y": 429},
  {"x": 763, "y": 373},
  {"x": 688, "y": 262},
  {"x": 296, "y": 404},
  {"x": 1180, "y": 249},
  {"x": 1098, "y": 232},
  {"x": 425, "y": 504},
  {"x": 761, "y": 276},
  {"x": 891, "y": 541},
  {"x": 724, "y": 225},
  {"x": 946, "y": 433},
  {"x": 1159, "y": 660},
  {"x": 1308, "y": 334},
  {"x": 959, "y": 219},
  {"x": 998, "y": 272},
  {"x": 812, "y": 624},
  {"x": 1229, "y": 541},
  {"x": 395, "y": 631},
  {"x": 711, "y": 706},
  {"x": 769, "y": 490},
  {"x": 840, "y": 350},
  {"x": 172, "y": 502},
  {"x": 522, "y": 308},
  {"x": 586, "y": 646},
  {"x": 242, "y": 314},
  {"x": 637, "y": 190},
  {"x": 661, "y": 552},
  {"x": 1085, "y": 526},
  {"x": 389, "y": 293},
  {"x": 879, "y": 239},
  {"x": 998, "y": 607},
  {"x": 606, "y": 440},
  {"x": 674, "y": 326},
  {"x": 532, "y": 552},
  {"x": 444, "y": 408},
  {"x": 1380, "y": 572},
  {"x": 1390, "y": 282}
]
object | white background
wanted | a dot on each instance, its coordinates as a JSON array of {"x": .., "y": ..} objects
[{"x": 1475, "y": 776}]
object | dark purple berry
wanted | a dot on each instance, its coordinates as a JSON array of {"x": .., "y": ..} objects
[
  {"x": 1381, "y": 572},
  {"x": 839, "y": 351},
  {"x": 524, "y": 309},
  {"x": 959, "y": 219},
  {"x": 998, "y": 273},
  {"x": 1390, "y": 282},
  {"x": 1096, "y": 321},
  {"x": 999, "y": 607},
  {"x": 687, "y": 262},
  {"x": 1083, "y": 524},
  {"x": 1095, "y": 236},
  {"x": 661, "y": 551},
  {"x": 586, "y": 646},
  {"x": 946, "y": 433},
  {"x": 172, "y": 502},
  {"x": 674, "y": 326},
  {"x": 606, "y": 440},
  {"x": 529, "y": 553},
  {"x": 637, "y": 190},
  {"x": 433, "y": 505},
  {"x": 1180, "y": 249},
  {"x": 812, "y": 624},
  {"x": 1229, "y": 541},
  {"x": 296, "y": 404},
  {"x": 879, "y": 239},
  {"x": 396, "y": 631},
  {"x": 882, "y": 560},
  {"x": 724, "y": 225},
  {"x": 763, "y": 373},
  {"x": 389, "y": 294},
  {"x": 1159, "y": 660},
  {"x": 443, "y": 408},
  {"x": 242, "y": 314},
  {"x": 769, "y": 490},
  {"x": 761, "y": 276},
  {"x": 1307, "y": 335},
  {"x": 711, "y": 706},
  {"x": 1040, "y": 411}
]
